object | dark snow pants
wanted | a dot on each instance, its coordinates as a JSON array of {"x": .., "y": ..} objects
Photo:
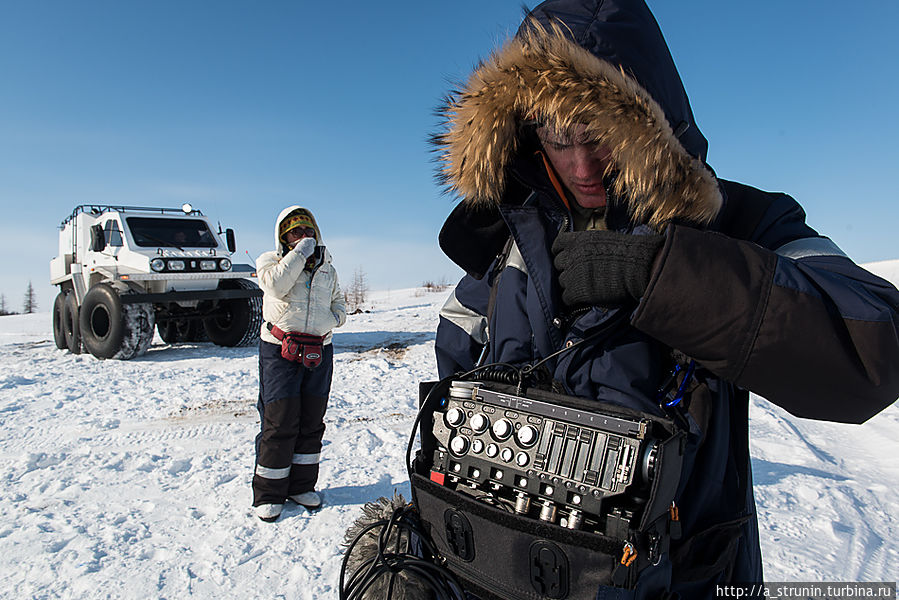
[{"x": 292, "y": 403}]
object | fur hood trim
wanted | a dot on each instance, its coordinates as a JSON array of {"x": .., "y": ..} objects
[{"x": 543, "y": 75}]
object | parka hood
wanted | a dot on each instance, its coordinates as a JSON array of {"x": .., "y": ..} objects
[
  {"x": 279, "y": 246},
  {"x": 601, "y": 63}
]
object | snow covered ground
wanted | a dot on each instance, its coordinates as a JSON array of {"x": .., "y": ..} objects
[{"x": 132, "y": 479}]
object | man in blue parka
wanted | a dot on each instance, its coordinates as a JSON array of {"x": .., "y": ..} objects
[{"x": 588, "y": 205}]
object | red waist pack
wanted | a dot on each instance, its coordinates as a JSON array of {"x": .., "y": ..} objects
[{"x": 299, "y": 347}]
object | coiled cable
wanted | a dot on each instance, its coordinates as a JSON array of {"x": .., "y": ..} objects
[{"x": 402, "y": 527}]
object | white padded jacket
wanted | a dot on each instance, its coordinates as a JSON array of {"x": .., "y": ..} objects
[{"x": 297, "y": 299}]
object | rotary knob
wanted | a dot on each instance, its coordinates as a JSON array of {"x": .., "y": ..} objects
[
  {"x": 522, "y": 459},
  {"x": 454, "y": 417},
  {"x": 459, "y": 445},
  {"x": 477, "y": 446},
  {"x": 506, "y": 455},
  {"x": 502, "y": 429},
  {"x": 527, "y": 436},
  {"x": 492, "y": 450},
  {"x": 480, "y": 423}
]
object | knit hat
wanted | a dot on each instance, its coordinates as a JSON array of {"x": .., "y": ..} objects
[{"x": 292, "y": 222}]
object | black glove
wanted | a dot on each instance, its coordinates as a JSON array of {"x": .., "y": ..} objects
[{"x": 604, "y": 268}]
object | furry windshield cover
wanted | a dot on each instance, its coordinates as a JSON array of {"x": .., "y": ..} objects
[{"x": 544, "y": 76}]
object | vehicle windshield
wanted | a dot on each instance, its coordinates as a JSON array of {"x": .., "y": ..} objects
[{"x": 175, "y": 233}]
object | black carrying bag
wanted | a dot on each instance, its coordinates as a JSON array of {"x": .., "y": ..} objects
[{"x": 500, "y": 555}]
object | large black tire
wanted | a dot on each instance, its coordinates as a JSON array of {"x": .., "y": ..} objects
[
  {"x": 237, "y": 320},
  {"x": 70, "y": 327},
  {"x": 59, "y": 330},
  {"x": 111, "y": 329}
]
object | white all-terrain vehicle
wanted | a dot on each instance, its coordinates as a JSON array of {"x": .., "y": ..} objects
[{"x": 123, "y": 270}]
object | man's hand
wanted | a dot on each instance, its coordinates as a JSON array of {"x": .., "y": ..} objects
[{"x": 604, "y": 268}]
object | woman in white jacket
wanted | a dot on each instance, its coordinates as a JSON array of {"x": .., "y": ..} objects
[{"x": 302, "y": 303}]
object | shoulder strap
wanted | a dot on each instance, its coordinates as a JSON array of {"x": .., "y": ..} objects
[
  {"x": 495, "y": 275},
  {"x": 276, "y": 331}
]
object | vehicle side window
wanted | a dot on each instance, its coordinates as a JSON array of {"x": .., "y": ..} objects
[{"x": 112, "y": 233}]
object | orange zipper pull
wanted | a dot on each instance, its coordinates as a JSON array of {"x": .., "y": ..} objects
[
  {"x": 674, "y": 524},
  {"x": 621, "y": 571},
  {"x": 629, "y": 555}
]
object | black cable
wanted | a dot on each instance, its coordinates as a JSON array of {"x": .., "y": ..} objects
[
  {"x": 421, "y": 411},
  {"x": 435, "y": 577},
  {"x": 603, "y": 328}
]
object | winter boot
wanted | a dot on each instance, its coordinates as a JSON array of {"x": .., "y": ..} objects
[
  {"x": 308, "y": 500},
  {"x": 269, "y": 512}
]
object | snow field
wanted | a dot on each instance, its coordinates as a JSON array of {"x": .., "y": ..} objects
[{"x": 131, "y": 479}]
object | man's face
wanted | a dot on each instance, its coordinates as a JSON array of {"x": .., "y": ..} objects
[{"x": 580, "y": 163}]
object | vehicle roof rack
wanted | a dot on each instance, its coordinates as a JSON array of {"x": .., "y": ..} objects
[{"x": 98, "y": 209}]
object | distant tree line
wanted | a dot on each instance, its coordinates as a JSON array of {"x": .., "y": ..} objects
[{"x": 28, "y": 306}]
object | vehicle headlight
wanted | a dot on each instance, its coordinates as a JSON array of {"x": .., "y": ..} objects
[
  {"x": 176, "y": 265},
  {"x": 157, "y": 264},
  {"x": 225, "y": 264},
  {"x": 207, "y": 265}
]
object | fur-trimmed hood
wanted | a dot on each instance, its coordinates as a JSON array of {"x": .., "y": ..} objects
[{"x": 599, "y": 62}]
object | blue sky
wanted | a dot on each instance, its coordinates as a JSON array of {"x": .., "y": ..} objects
[{"x": 242, "y": 108}]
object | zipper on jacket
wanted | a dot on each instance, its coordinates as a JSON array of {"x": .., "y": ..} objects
[
  {"x": 309, "y": 306},
  {"x": 564, "y": 321},
  {"x": 561, "y": 322}
]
